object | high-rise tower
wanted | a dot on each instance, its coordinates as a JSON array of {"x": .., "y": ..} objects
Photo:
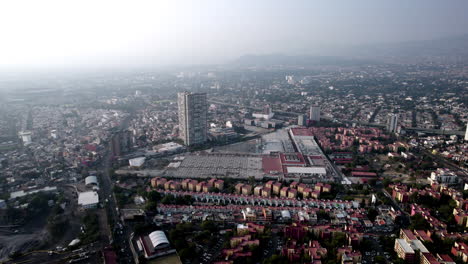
[
  {"x": 392, "y": 123},
  {"x": 192, "y": 117},
  {"x": 466, "y": 133},
  {"x": 314, "y": 113}
]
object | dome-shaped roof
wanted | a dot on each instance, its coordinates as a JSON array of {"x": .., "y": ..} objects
[
  {"x": 158, "y": 238},
  {"x": 91, "y": 180}
]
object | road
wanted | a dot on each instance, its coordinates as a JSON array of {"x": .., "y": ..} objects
[
  {"x": 447, "y": 163},
  {"x": 89, "y": 254},
  {"x": 119, "y": 238}
]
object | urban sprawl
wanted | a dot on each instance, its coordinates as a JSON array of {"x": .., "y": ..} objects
[{"x": 338, "y": 164}]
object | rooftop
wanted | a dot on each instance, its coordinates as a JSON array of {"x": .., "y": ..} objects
[{"x": 88, "y": 198}]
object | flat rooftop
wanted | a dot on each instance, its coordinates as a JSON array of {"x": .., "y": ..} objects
[
  {"x": 306, "y": 170},
  {"x": 87, "y": 198},
  {"x": 405, "y": 246},
  {"x": 277, "y": 141},
  {"x": 218, "y": 165},
  {"x": 169, "y": 259}
]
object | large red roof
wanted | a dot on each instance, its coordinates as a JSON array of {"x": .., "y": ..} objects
[
  {"x": 301, "y": 132},
  {"x": 270, "y": 163},
  {"x": 363, "y": 174}
]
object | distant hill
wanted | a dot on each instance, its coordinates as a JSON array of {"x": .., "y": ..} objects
[
  {"x": 443, "y": 47},
  {"x": 453, "y": 49},
  {"x": 294, "y": 60}
]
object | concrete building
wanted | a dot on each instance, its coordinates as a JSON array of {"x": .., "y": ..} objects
[
  {"x": 290, "y": 79},
  {"x": 54, "y": 134},
  {"x": 136, "y": 162},
  {"x": 192, "y": 117},
  {"x": 266, "y": 113},
  {"x": 392, "y": 123},
  {"x": 314, "y": 114},
  {"x": 26, "y": 137},
  {"x": 466, "y": 133},
  {"x": 404, "y": 250},
  {"x": 302, "y": 120},
  {"x": 169, "y": 148},
  {"x": 443, "y": 176},
  {"x": 154, "y": 245}
]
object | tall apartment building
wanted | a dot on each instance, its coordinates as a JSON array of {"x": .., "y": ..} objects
[
  {"x": 314, "y": 113},
  {"x": 192, "y": 117},
  {"x": 466, "y": 133},
  {"x": 392, "y": 123}
]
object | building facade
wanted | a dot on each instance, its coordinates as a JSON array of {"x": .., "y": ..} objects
[
  {"x": 443, "y": 176},
  {"x": 392, "y": 123},
  {"x": 192, "y": 117},
  {"x": 301, "y": 120},
  {"x": 314, "y": 113},
  {"x": 466, "y": 133}
]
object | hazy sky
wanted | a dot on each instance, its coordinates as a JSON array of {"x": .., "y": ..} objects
[{"x": 44, "y": 33}]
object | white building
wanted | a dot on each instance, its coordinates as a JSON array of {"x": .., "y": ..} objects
[
  {"x": 26, "y": 137},
  {"x": 88, "y": 199},
  {"x": 443, "y": 176},
  {"x": 307, "y": 171},
  {"x": 170, "y": 147},
  {"x": 54, "y": 134},
  {"x": 285, "y": 214},
  {"x": 248, "y": 213},
  {"x": 290, "y": 79},
  {"x": 91, "y": 181},
  {"x": 466, "y": 133},
  {"x": 314, "y": 114},
  {"x": 154, "y": 245},
  {"x": 266, "y": 114},
  {"x": 137, "y": 162}
]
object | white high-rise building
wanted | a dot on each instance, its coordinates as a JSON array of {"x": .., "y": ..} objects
[
  {"x": 392, "y": 123},
  {"x": 466, "y": 133},
  {"x": 192, "y": 117},
  {"x": 54, "y": 134},
  {"x": 314, "y": 113},
  {"x": 290, "y": 79}
]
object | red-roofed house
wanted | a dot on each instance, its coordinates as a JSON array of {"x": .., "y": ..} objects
[{"x": 460, "y": 250}]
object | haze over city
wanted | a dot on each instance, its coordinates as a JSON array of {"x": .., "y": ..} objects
[
  {"x": 53, "y": 33},
  {"x": 234, "y": 132}
]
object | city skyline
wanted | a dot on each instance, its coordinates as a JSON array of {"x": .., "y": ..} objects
[{"x": 227, "y": 132}]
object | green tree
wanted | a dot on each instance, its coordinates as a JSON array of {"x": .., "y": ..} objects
[
  {"x": 208, "y": 225},
  {"x": 151, "y": 206},
  {"x": 57, "y": 226},
  {"x": 168, "y": 199},
  {"x": 372, "y": 214},
  {"x": 418, "y": 222}
]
